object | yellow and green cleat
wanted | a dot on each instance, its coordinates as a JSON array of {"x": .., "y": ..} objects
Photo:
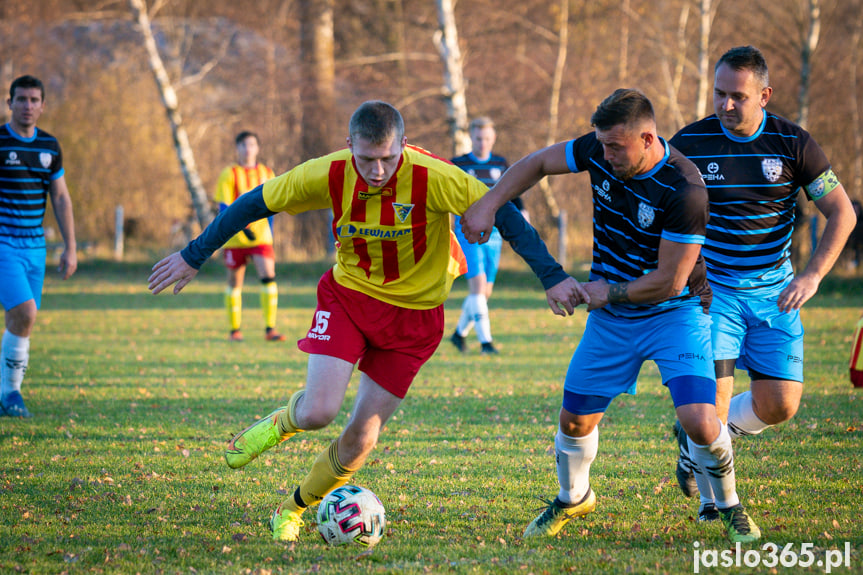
[
  {"x": 556, "y": 515},
  {"x": 286, "y": 524},
  {"x": 255, "y": 439},
  {"x": 739, "y": 526}
]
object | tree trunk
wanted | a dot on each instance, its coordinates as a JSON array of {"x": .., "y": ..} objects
[
  {"x": 703, "y": 59},
  {"x": 169, "y": 99},
  {"x": 317, "y": 97},
  {"x": 554, "y": 101},
  {"x": 446, "y": 40},
  {"x": 810, "y": 42},
  {"x": 800, "y": 252}
]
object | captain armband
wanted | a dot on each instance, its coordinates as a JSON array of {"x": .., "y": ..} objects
[{"x": 822, "y": 185}]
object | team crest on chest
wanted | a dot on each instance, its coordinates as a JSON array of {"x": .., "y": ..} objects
[
  {"x": 494, "y": 174},
  {"x": 45, "y": 159},
  {"x": 645, "y": 215},
  {"x": 772, "y": 168},
  {"x": 402, "y": 210}
]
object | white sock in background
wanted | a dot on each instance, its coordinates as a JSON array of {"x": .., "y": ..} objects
[{"x": 13, "y": 362}]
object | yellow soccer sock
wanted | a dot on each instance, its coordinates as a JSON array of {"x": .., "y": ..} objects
[
  {"x": 234, "y": 304},
  {"x": 287, "y": 419},
  {"x": 326, "y": 475},
  {"x": 270, "y": 303}
]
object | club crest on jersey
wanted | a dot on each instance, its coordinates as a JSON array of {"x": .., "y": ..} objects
[
  {"x": 402, "y": 210},
  {"x": 494, "y": 173},
  {"x": 45, "y": 159},
  {"x": 772, "y": 168},
  {"x": 645, "y": 215}
]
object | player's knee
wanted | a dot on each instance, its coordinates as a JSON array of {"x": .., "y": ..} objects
[
  {"x": 317, "y": 416},
  {"x": 774, "y": 413}
]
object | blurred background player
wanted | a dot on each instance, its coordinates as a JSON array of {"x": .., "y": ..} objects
[
  {"x": 31, "y": 169},
  {"x": 482, "y": 259},
  {"x": 254, "y": 242}
]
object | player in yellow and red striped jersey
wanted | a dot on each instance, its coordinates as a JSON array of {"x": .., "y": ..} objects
[
  {"x": 254, "y": 242},
  {"x": 381, "y": 305}
]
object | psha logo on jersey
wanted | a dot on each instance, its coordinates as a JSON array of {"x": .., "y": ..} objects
[
  {"x": 772, "y": 168},
  {"x": 13, "y": 160},
  {"x": 602, "y": 191},
  {"x": 712, "y": 174}
]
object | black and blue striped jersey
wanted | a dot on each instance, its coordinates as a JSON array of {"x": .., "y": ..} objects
[
  {"x": 27, "y": 168},
  {"x": 753, "y": 185},
  {"x": 631, "y": 217}
]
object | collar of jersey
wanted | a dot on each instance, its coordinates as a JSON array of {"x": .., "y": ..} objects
[
  {"x": 658, "y": 165},
  {"x": 19, "y": 137},
  {"x": 476, "y": 160},
  {"x": 740, "y": 140}
]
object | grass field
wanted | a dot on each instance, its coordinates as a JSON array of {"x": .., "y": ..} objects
[{"x": 121, "y": 470}]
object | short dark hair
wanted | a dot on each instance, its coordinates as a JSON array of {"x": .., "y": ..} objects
[
  {"x": 625, "y": 106},
  {"x": 26, "y": 82},
  {"x": 376, "y": 121},
  {"x": 246, "y": 134},
  {"x": 746, "y": 58}
]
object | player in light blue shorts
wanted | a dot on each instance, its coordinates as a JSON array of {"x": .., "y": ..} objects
[
  {"x": 482, "y": 259},
  {"x": 677, "y": 340},
  {"x": 23, "y": 273},
  {"x": 31, "y": 173},
  {"x": 756, "y": 336},
  {"x": 648, "y": 299}
]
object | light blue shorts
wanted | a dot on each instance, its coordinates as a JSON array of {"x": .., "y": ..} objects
[
  {"x": 481, "y": 258},
  {"x": 757, "y": 334},
  {"x": 612, "y": 350},
  {"x": 22, "y": 273}
]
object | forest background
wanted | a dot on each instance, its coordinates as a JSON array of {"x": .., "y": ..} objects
[{"x": 259, "y": 66}]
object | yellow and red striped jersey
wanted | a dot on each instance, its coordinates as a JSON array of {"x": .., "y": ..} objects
[
  {"x": 235, "y": 181},
  {"x": 393, "y": 243}
]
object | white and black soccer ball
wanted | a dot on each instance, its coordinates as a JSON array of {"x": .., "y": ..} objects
[{"x": 351, "y": 514}]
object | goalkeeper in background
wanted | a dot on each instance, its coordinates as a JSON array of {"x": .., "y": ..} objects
[{"x": 254, "y": 242}]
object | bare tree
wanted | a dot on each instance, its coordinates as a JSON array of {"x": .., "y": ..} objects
[
  {"x": 857, "y": 186},
  {"x": 317, "y": 97},
  {"x": 446, "y": 40},
  {"x": 708, "y": 8},
  {"x": 172, "y": 107},
  {"x": 808, "y": 46}
]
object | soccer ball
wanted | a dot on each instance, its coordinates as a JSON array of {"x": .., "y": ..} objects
[{"x": 351, "y": 514}]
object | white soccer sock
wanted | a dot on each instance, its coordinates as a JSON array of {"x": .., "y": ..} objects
[
  {"x": 13, "y": 362},
  {"x": 574, "y": 456},
  {"x": 465, "y": 321},
  {"x": 483, "y": 324},
  {"x": 741, "y": 416},
  {"x": 716, "y": 462}
]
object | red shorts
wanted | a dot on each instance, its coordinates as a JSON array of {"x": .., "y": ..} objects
[
  {"x": 237, "y": 257},
  {"x": 390, "y": 342}
]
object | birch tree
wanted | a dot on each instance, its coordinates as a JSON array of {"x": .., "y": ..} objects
[
  {"x": 169, "y": 98},
  {"x": 446, "y": 40}
]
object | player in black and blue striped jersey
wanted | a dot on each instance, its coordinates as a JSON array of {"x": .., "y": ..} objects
[
  {"x": 647, "y": 297},
  {"x": 753, "y": 163},
  {"x": 31, "y": 171}
]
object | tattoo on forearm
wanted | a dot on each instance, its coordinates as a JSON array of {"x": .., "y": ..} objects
[{"x": 617, "y": 293}]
